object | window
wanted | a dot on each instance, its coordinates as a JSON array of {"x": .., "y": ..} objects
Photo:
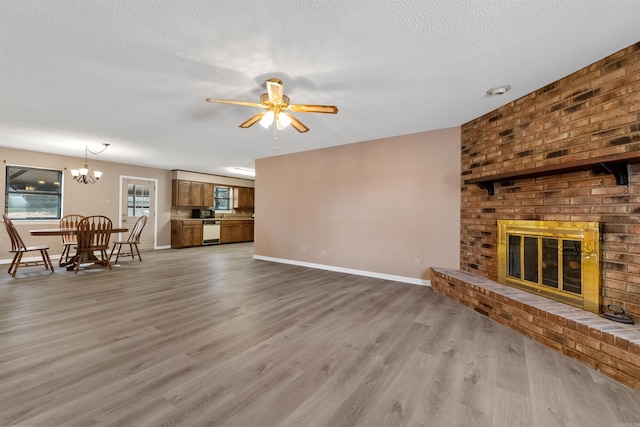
[
  {"x": 222, "y": 198},
  {"x": 33, "y": 193},
  {"x": 138, "y": 200}
]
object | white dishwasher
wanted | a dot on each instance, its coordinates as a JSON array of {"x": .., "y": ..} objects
[{"x": 210, "y": 232}]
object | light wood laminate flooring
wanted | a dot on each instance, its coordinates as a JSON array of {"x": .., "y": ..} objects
[{"x": 211, "y": 337}]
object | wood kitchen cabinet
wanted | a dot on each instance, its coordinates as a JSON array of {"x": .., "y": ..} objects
[
  {"x": 250, "y": 198},
  {"x": 232, "y": 231},
  {"x": 207, "y": 194},
  {"x": 191, "y": 193},
  {"x": 186, "y": 233},
  {"x": 244, "y": 198},
  {"x": 247, "y": 231},
  {"x": 186, "y": 193}
]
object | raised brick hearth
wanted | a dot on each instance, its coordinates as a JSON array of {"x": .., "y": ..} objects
[{"x": 609, "y": 347}]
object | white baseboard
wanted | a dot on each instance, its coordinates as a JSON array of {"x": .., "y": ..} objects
[
  {"x": 28, "y": 259},
  {"x": 403, "y": 279},
  {"x": 37, "y": 258}
]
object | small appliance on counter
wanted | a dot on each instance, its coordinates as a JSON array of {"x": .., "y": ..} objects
[{"x": 203, "y": 213}]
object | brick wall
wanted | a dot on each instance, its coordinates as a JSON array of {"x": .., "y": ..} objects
[{"x": 592, "y": 112}]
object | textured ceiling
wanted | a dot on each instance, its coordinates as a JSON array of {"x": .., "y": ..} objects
[{"x": 135, "y": 73}]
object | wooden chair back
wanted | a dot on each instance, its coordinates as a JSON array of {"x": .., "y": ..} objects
[
  {"x": 134, "y": 237},
  {"x": 69, "y": 240},
  {"x": 70, "y": 221},
  {"x": 94, "y": 233},
  {"x": 17, "y": 244}
]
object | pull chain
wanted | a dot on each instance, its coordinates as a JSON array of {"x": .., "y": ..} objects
[{"x": 275, "y": 135}]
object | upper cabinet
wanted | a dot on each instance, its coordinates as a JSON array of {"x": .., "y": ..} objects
[
  {"x": 191, "y": 193},
  {"x": 243, "y": 198},
  {"x": 207, "y": 194},
  {"x": 201, "y": 194}
]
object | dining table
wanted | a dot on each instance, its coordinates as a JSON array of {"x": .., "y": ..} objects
[
  {"x": 67, "y": 231},
  {"x": 70, "y": 232}
]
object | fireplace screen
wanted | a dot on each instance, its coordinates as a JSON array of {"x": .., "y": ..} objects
[{"x": 555, "y": 259}]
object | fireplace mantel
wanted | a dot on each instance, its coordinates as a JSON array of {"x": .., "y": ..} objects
[{"x": 614, "y": 164}]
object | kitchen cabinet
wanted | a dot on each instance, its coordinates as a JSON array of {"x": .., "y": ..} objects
[
  {"x": 207, "y": 194},
  {"x": 180, "y": 193},
  {"x": 249, "y": 197},
  {"x": 247, "y": 231},
  {"x": 186, "y": 233},
  {"x": 235, "y": 231},
  {"x": 243, "y": 198},
  {"x": 191, "y": 193}
]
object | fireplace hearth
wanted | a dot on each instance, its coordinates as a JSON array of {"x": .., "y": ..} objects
[{"x": 558, "y": 260}]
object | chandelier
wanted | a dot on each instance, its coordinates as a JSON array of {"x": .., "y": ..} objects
[{"x": 82, "y": 175}]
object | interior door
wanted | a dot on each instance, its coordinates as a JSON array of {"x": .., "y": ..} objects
[{"x": 138, "y": 198}]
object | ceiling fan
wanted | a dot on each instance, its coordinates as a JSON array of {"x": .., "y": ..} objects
[{"x": 276, "y": 106}]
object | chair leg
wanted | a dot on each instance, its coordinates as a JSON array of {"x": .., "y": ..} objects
[
  {"x": 113, "y": 249},
  {"x": 106, "y": 258},
  {"x": 79, "y": 255},
  {"x": 47, "y": 261},
  {"x": 50, "y": 262},
  {"x": 66, "y": 258},
  {"x": 13, "y": 261},
  {"x": 13, "y": 268},
  {"x": 64, "y": 255},
  {"x": 18, "y": 261},
  {"x": 138, "y": 251}
]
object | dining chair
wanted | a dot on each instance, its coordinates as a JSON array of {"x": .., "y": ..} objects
[
  {"x": 19, "y": 248},
  {"x": 93, "y": 235},
  {"x": 133, "y": 240},
  {"x": 69, "y": 240}
]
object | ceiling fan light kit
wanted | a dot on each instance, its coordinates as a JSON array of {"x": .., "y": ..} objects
[
  {"x": 267, "y": 119},
  {"x": 276, "y": 104}
]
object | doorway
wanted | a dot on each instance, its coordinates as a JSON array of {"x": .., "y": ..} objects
[{"x": 137, "y": 198}]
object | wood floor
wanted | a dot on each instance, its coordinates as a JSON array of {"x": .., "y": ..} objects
[{"x": 210, "y": 336}]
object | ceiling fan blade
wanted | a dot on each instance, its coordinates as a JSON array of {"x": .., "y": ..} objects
[
  {"x": 253, "y": 120},
  {"x": 224, "y": 101},
  {"x": 308, "y": 108},
  {"x": 298, "y": 125},
  {"x": 275, "y": 89}
]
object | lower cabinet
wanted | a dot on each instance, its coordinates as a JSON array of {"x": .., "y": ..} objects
[
  {"x": 188, "y": 233},
  {"x": 185, "y": 233},
  {"x": 236, "y": 231},
  {"x": 247, "y": 231}
]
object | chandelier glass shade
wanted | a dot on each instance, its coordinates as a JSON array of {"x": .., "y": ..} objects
[{"x": 82, "y": 175}]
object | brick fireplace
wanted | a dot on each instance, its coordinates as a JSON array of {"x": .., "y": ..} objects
[{"x": 569, "y": 151}]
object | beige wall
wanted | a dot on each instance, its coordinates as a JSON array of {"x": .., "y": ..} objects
[
  {"x": 376, "y": 206},
  {"x": 101, "y": 198}
]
